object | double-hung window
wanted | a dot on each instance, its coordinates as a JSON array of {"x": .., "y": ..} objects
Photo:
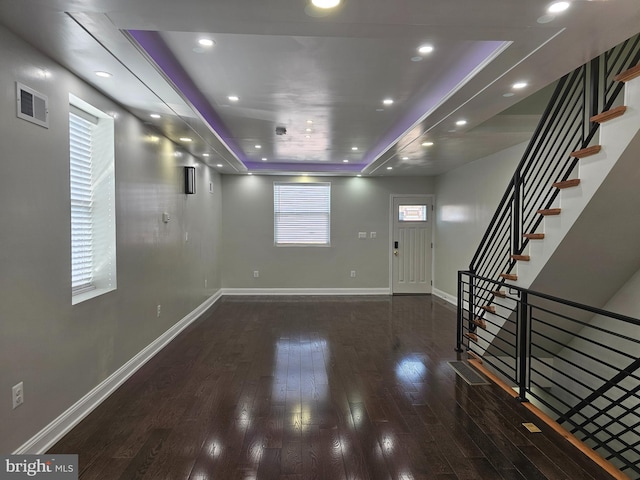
[
  {"x": 302, "y": 214},
  {"x": 92, "y": 193}
]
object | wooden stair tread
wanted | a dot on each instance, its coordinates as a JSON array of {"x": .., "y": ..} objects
[
  {"x": 477, "y": 358},
  {"x": 586, "y": 152},
  {"x": 523, "y": 258},
  {"x": 499, "y": 293},
  {"x": 509, "y": 276},
  {"x": 489, "y": 308},
  {"x": 627, "y": 75},
  {"x": 574, "y": 182},
  {"x": 609, "y": 114},
  {"x": 534, "y": 236},
  {"x": 472, "y": 336},
  {"x": 550, "y": 211},
  {"x": 480, "y": 323}
]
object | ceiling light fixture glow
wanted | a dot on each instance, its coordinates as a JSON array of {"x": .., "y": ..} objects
[
  {"x": 358, "y": 175},
  {"x": 219, "y": 165},
  {"x": 233, "y": 98},
  {"x": 325, "y": 3},
  {"x": 425, "y": 49},
  {"x": 345, "y": 161},
  {"x": 154, "y": 115},
  {"x": 405, "y": 158},
  {"x": 258, "y": 147},
  {"x": 308, "y": 130},
  {"x": 185, "y": 139},
  {"x": 461, "y": 122},
  {"x": 206, "y": 42},
  {"x": 558, "y": 7},
  {"x": 389, "y": 168},
  {"x": 264, "y": 159},
  {"x": 104, "y": 74},
  {"x": 427, "y": 144},
  {"x": 519, "y": 85},
  {"x": 309, "y": 121},
  {"x": 205, "y": 154},
  {"x": 388, "y": 101},
  {"x": 354, "y": 148}
]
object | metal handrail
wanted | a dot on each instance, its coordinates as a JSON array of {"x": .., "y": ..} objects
[
  {"x": 549, "y": 348},
  {"x": 578, "y": 96}
]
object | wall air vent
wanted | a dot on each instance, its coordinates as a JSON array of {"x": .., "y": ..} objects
[{"x": 32, "y": 106}]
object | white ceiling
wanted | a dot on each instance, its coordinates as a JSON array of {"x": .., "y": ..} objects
[{"x": 290, "y": 63}]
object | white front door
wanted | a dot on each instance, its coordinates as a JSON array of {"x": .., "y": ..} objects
[{"x": 411, "y": 253}]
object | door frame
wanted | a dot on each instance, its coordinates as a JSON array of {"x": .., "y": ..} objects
[{"x": 392, "y": 212}]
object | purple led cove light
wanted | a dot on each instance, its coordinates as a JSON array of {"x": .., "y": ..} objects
[
  {"x": 158, "y": 50},
  {"x": 304, "y": 167}
]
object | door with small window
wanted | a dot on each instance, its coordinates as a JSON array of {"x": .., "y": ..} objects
[{"x": 411, "y": 247}]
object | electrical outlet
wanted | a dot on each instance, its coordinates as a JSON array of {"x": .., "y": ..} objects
[
  {"x": 256, "y": 274},
  {"x": 353, "y": 274},
  {"x": 158, "y": 311},
  {"x": 18, "y": 394}
]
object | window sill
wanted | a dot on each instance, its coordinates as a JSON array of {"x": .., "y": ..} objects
[{"x": 96, "y": 292}]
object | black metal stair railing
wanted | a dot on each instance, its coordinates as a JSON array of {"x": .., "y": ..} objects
[
  {"x": 575, "y": 362},
  {"x": 564, "y": 127}
]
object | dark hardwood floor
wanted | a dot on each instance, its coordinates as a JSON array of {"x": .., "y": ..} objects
[{"x": 316, "y": 388}]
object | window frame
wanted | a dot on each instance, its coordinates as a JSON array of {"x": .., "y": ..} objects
[
  {"x": 101, "y": 211},
  {"x": 277, "y": 212}
]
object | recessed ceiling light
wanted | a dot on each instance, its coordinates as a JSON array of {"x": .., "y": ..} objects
[
  {"x": 389, "y": 168},
  {"x": 219, "y": 165},
  {"x": 205, "y": 154},
  {"x": 405, "y": 158},
  {"x": 258, "y": 147},
  {"x": 264, "y": 159},
  {"x": 425, "y": 49},
  {"x": 104, "y": 74},
  {"x": 427, "y": 144},
  {"x": 250, "y": 173},
  {"x": 388, "y": 101},
  {"x": 461, "y": 122},
  {"x": 309, "y": 121},
  {"x": 558, "y": 7},
  {"x": 308, "y": 130},
  {"x": 345, "y": 161},
  {"x": 185, "y": 139},
  {"x": 508, "y": 94},
  {"x": 354, "y": 148},
  {"x": 154, "y": 115},
  {"x": 233, "y": 98},
  {"x": 325, "y": 3},
  {"x": 358, "y": 175},
  {"x": 519, "y": 85},
  {"x": 206, "y": 42}
]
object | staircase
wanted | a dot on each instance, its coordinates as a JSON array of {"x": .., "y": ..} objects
[{"x": 591, "y": 123}]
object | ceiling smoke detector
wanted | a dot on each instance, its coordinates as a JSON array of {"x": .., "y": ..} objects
[{"x": 281, "y": 131}]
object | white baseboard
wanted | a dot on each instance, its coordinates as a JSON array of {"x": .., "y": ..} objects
[
  {"x": 306, "y": 291},
  {"x": 53, "y": 432},
  {"x": 445, "y": 296}
]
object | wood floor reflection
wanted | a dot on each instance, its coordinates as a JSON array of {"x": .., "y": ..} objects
[{"x": 331, "y": 388}]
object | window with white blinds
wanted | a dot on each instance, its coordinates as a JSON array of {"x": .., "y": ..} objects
[
  {"x": 80, "y": 145},
  {"x": 302, "y": 213},
  {"x": 92, "y": 199}
]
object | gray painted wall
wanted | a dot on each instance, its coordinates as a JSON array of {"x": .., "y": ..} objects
[
  {"x": 466, "y": 199},
  {"x": 358, "y": 205},
  {"x": 61, "y": 351}
]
